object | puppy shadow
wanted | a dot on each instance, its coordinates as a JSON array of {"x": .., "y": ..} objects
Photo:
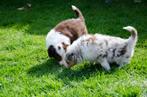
[
  {"x": 76, "y": 73},
  {"x": 47, "y": 67},
  {"x": 79, "y": 73},
  {"x": 85, "y": 71}
]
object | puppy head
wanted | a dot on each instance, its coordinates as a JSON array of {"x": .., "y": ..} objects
[
  {"x": 58, "y": 50},
  {"x": 71, "y": 59},
  {"x": 56, "y": 44},
  {"x": 72, "y": 56}
]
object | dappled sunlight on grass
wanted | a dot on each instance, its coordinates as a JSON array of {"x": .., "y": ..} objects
[{"x": 26, "y": 70}]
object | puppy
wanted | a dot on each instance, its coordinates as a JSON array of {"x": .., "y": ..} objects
[
  {"x": 102, "y": 49},
  {"x": 63, "y": 34}
]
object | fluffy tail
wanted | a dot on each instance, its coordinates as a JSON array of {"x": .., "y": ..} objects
[
  {"x": 133, "y": 31},
  {"x": 132, "y": 39},
  {"x": 78, "y": 12}
]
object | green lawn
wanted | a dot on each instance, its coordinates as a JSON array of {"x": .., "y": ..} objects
[{"x": 26, "y": 70}]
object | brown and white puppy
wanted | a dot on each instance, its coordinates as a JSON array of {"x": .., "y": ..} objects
[
  {"x": 102, "y": 49},
  {"x": 63, "y": 34}
]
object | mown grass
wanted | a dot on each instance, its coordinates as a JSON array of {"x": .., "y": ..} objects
[{"x": 26, "y": 70}]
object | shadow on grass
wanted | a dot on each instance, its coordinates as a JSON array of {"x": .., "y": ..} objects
[
  {"x": 84, "y": 72},
  {"x": 77, "y": 73},
  {"x": 49, "y": 66}
]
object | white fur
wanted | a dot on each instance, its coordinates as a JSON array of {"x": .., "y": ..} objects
[
  {"x": 56, "y": 39},
  {"x": 57, "y": 42},
  {"x": 129, "y": 28},
  {"x": 102, "y": 49},
  {"x": 74, "y": 7}
]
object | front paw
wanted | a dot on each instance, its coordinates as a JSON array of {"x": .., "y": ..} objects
[
  {"x": 64, "y": 64},
  {"x": 61, "y": 63}
]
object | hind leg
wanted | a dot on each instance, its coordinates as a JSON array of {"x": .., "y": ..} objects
[{"x": 104, "y": 63}]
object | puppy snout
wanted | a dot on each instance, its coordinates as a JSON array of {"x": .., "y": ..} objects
[{"x": 69, "y": 56}]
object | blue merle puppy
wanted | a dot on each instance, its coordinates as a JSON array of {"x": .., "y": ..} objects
[{"x": 102, "y": 49}]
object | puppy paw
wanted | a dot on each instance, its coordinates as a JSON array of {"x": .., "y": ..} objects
[
  {"x": 64, "y": 64},
  {"x": 61, "y": 63}
]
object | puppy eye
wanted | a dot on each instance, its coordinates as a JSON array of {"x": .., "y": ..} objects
[
  {"x": 59, "y": 47},
  {"x": 72, "y": 54}
]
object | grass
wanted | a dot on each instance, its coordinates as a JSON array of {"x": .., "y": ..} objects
[{"x": 26, "y": 70}]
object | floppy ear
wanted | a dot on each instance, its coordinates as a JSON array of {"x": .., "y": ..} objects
[{"x": 52, "y": 53}]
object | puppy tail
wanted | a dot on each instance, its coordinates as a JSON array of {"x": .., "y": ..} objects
[
  {"x": 134, "y": 36},
  {"x": 78, "y": 12}
]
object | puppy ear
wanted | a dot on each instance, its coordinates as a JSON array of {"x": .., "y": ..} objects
[{"x": 52, "y": 53}]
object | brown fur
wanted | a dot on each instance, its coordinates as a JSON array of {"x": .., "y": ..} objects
[
  {"x": 65, "y": 46},
  {"x": 73, "y": 28},
  {"x": 90, "y": 39}
]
